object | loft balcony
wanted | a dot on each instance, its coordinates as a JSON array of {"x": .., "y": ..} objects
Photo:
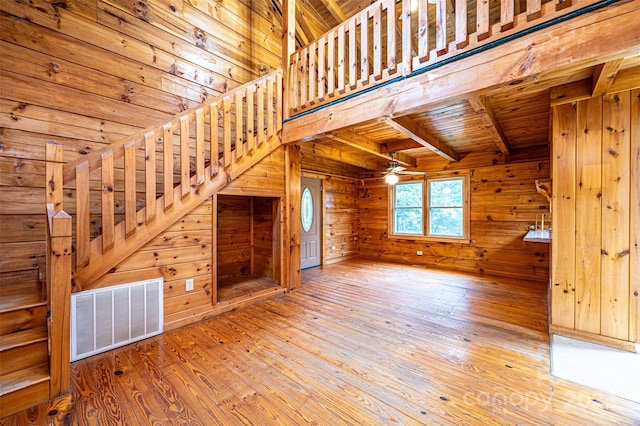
[{"x": 445, "y": 80}]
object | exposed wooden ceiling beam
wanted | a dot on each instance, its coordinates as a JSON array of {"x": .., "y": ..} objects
[
  {"x": 484, "y": 109},
  {"x": 399, "y": 145},
  {"x": 335, "y": 154},
  {"x": 570, "y": 92},
  {"x": 367, "y": 145},
  {"x": 410, "y": 128},
  {"x": 603, "y": 76},
  {"x": 335, "y": 10},
  {"x": 626, "y": 79},
  {"x": 579, "y": 90}
]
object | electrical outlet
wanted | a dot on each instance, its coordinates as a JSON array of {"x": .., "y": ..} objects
[
  {"x": 189, "y": 284},
  {"x": 419, "y": 252},
  {"x": 333, "y": 247}
]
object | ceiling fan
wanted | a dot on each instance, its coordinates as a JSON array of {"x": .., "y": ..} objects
[{"x": 393, "y": 169}]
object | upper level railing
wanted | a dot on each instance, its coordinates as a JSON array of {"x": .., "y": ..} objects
[
  {"x": 132, "y": 188},
  {"x": 394, "y": 38}
]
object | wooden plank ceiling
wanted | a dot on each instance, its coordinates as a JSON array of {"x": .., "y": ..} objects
[{"x": 506, "y": 120}]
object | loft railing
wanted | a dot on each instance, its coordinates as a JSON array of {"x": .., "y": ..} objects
[
  {"x": 122, "y": 195},
  {"x": 391, "y": 39}
]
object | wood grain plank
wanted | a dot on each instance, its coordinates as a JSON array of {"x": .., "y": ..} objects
[
  {"x": 261, "y": 115},
  {"x": 423, "y": 32},
  {"x": 150, "y": 205},
  {"x": 341, "y": 59},
  {"x": 130, "y": 201},
  {"x": 200, "y": 136},
  {"x": 83, "y": 233},
  {"x": 226, "y": 132},
  {"x": 441, "y": 26},
  {"x": 588, "y": 214},
  {"x": 185, "y": 171},
  {"x": 321, "y": 67},
  {"x": 563, "y": 282},
  {"x": 167, "y": 164},
  {"x": 634, "y": 240},
  {"x": 250, "y": 123},
  {"x": 238, "y": 125},
  {"x": 616, "y": 138},
  {"x": 270, "y": 108},
  {"x": 108, "y": 220}
]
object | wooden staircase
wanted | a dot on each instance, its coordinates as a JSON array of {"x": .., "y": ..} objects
[
  {"x": 117, "y": 200},
  {"x": 24, "y": 370}
]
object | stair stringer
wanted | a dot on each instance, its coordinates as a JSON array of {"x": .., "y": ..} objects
[{"x": 125, "y": 245}]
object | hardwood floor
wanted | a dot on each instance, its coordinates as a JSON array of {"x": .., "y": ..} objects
[
  {"x": 359, "y": 343},
  {"x": 243, "y": 286}
]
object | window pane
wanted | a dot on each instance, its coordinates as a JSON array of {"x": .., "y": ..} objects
[
  {"x": 446, "y": 222},
  {"x": 408, "y": 221},
  {"x": 306, "y": 210},
  {"x": 446, "y": 193},
  {"x": 408, "y": 195}
]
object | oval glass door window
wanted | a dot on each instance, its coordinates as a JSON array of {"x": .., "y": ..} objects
[{"x": 306, "y": 210}]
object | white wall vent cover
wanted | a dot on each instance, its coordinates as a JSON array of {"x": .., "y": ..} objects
[{"x": 110, "y": 317}]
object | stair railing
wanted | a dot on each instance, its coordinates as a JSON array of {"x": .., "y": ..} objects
[
  {"x": 58, "y": 276},
  {"x": 119, "y": 191}
]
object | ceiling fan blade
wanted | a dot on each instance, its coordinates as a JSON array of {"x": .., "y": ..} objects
[{"x": 408, "y": 172}]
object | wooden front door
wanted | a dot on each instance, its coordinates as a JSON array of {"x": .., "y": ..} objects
[{"x": 310, "y": 232}]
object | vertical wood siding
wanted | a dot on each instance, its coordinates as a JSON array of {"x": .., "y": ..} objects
[{"x": 596, "y": 217}]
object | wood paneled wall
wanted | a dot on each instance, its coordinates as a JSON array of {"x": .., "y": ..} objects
[
  {"x": 596, "y": 248},
  {"x": 245, "y": 236},
  {"x": 263, "y": 234},
  {"x": 187, "y": 248},
  {"x": 88, "y": 73},
  {"x": 341, "y": 218},
  {"x": 234, "y": 237},
  {"x": 183, "y": 251},
  {"x": 504, "y": 202},
  {"x": 340, "y": 226}
]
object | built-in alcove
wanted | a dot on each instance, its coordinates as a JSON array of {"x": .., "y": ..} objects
[{"x": 248, "y": 245}]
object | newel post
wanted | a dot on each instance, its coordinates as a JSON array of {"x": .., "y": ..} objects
[{"x": 59, "y": 248}]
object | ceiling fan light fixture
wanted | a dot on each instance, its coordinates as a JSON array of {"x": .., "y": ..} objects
[{"x": 391, "y": 179}]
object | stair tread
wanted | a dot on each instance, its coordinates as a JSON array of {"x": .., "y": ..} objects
[
  {"x": 21, "y": 379},
  {"x": 14, "y": 300},
  {"x": 22, "y": 338}
]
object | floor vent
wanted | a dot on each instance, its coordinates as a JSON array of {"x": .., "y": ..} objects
[{"x": 110, "y": 317}]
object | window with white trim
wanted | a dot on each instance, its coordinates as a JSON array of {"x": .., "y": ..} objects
[{"x": 436, "y": 207}]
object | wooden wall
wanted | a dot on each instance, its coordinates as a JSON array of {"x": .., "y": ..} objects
[
  {"x": 341, "y": 218},
  {"x": 340, "y": 185},
  {"x": 245, "y": 236},
  {"x": 233, "y": 249},
  {"x": 265, "y": 230},
  {"x": 88, "y": 73},
  {"x": 504, "y": 202},
  {"x": 187, "y": 248},
  {"x": 596, "y": 247}
]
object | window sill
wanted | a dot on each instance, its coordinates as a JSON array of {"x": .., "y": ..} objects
[{"x": 450, "y": 240}]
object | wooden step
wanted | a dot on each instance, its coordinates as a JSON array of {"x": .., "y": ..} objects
[
  {"x": 22, "y": 338},
  {"x": 24, "y": 357},
  {"x": 23, "y": 318},
  {"x": 23, "y": 389},
  {"x": 19, "y": 296}
]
